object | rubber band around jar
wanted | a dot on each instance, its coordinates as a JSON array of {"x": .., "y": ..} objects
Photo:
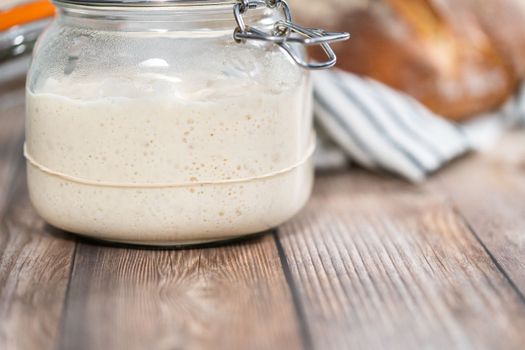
[{"x": 88, "y": 182}]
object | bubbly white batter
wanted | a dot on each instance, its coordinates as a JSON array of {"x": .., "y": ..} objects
[{"x": 159, "y": 129}]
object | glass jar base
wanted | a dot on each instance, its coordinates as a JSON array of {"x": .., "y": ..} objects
[
  {"x": 170, "y": 217},
  {"x": 203, "y": 243}
]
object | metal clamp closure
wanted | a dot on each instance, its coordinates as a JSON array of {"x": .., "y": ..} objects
[{"x": 285, "y": 33}]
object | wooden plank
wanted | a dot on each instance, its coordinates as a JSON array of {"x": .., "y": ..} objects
[
  {"x": 383, "y": 264},
  {"x": 231, "y": 297},
  {"x": 35, "y": 260},
  {"x": 489, "y": 191}
]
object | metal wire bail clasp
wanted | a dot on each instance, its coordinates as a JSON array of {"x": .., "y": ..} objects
[{"x": 285, "y": 33}]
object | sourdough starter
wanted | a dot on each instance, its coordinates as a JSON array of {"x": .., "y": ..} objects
[{"x": 142, "y": 156}]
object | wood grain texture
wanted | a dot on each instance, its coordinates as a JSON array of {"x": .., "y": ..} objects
[
  {"x": 488, "y": 190},
  {"x": 34, "y": 261},
  {"x": 231, "y": 297},
  {"x": 385, "y": 265}
]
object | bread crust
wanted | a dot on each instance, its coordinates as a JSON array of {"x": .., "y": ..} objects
[{"x": 445, "y": 53}]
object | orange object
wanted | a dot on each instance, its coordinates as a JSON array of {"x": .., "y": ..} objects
[{"x": 26, "y": 13}]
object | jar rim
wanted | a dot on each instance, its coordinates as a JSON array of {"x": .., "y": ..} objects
[{"x": 144, "y": 3}]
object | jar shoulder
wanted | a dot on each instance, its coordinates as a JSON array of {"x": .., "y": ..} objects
[{"x": 184, "y": 58}]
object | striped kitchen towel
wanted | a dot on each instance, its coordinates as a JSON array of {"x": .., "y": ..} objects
[{"x": 386, "y": 130}]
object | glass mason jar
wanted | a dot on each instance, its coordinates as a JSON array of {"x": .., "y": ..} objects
[{"x": 148, "y": 123}]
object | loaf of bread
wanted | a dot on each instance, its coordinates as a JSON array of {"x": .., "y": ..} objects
[{"x": 458, "y": 57}]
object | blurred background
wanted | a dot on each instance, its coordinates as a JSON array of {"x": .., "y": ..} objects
[{"x": 21, "y": 22}]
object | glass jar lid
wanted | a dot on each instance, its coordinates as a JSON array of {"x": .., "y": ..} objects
[{"x": 285, "y": 33}]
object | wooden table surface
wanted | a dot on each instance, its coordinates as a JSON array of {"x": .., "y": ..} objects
[{"x": 372, "y": 262}]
